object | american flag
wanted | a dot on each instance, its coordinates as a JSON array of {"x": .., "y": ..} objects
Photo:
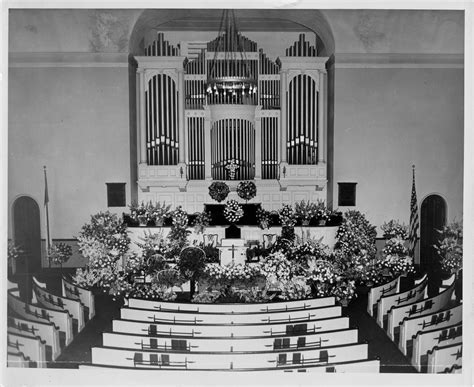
[{"x": 414, "y": 219}]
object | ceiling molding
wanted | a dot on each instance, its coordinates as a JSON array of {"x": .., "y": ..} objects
[
  {"x": 371, "y": 60},
  {"x": 67, "y": 59}
]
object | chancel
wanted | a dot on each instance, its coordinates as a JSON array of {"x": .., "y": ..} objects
[{"x": 262, "y": 191}]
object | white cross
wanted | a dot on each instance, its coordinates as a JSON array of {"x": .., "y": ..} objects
[{"x": 232, "y": 167}]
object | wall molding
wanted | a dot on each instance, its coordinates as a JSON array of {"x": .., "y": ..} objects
[
  {"x": 66, "y": 59},
  {"x": 357, "y": 60}
]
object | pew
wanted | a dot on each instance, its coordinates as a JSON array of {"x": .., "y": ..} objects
[
  {"x": 75, "y": 292},
  {"x": 247, "y": 330},
  {"x": 376, "y": 292},
  {"x": 229, "y": 318},
  {"x": 397, "y": 314},
  {"x": 73, "y": 307},
  {"x": 227, "y": 344},
  {"x": 418, "y": 292},
  {"x": 356, "y": 366},
  {"x": 32, "y": 347},
  {"x": 60, "y": 319},
  {"x": 442, "y": 358},
  {"x": 426, "y": 340},
  {"x": 46, "y": 331},
  {"x": 231, "y": 360},
  {"x": 17, "y": 359},
  {"x": 412, "y": 325},
  {"x": 284, "y": 306}
]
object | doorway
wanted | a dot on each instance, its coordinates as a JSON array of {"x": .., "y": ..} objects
[
  {"x": 433, "y": 217},
  {"x": 27, "y": 236}
]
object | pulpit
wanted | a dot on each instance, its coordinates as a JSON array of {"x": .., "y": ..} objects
[{"x": 232, "y": 251}]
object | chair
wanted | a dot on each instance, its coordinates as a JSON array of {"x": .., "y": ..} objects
[
  {"x": 210, "y": 239},
  {"x": 268, "y": 240}
]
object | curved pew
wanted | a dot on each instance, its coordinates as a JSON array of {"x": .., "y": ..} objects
[
  {"x": 17, "y": 359},
  {"x": 233, "y": 360},
  {"x": 227, "y": 344},
  {"x": 445, "y": 357},
  {"x": 382, "y": 290},
  {"x": 32, "y": 347},
  {"x": 229, "y": 318},
  {"x": 75, "y": 292},
  {"x": 418, "y": 292},
  {"x": 49, "y": 300},
  {"x": 61, "y": 319},
  {"x": 284, "y": 306},
  {"x": 412, "y": 325},
  {"x": 241, "y": 330},
  {"x": 356, "y": 366},
  {"x": 46, "y": 331},
  {"x": 427, "y": 340},
  {"x": 397, "y": 314}
]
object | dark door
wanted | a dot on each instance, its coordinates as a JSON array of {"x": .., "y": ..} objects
[
  {"x": 433, "y": 217},
  {"x": 27, "y": 235}
]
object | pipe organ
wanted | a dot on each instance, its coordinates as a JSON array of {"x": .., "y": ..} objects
[{"x": 216, "y": 116}]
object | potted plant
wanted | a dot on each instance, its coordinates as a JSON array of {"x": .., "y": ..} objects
[
  {"x": 218, "y": 190},
  {"x": 247, "y": 190},
  {"x": 139, "y": 213},
  {"x": 59, "y": 253},
  {"x": 305, "y": 211},
  {"x": 322, "y": 213}
]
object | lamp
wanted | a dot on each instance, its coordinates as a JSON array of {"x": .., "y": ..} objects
[{"x": 230, "y": 70}]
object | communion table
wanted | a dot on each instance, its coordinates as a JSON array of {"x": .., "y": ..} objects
[{"x": 232, "y": 251}]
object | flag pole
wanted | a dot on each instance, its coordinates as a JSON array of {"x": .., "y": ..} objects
[{"x": 46, "y": 207}]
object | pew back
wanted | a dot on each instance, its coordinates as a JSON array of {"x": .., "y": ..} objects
[
  {"x": 397, "y": 314},
  {"x": 46, "y": 331},
  {"x": 418, "y": 292},
  {"x": 411, "y": 326},
  {"x": 72, "y": 291},
  {"x": 17, "y": 359},
  {"x": 249, "y": 330},
  {"x": 445, "y": 357},
  {"x": 32, "y": 347},
  {"x": 227, "y": 344},
  {"x": 376, "y": 292},
  {"x": 209, "y": 318},
  {"x": 219, "y": 361},
  {"x": 232, "y": 308},
  {"x": 427, "y": 340}
]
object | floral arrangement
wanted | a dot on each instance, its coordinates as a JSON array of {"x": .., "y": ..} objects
[
  {"x": 322, "y": 213},
  {"x": 211, "y": 252},
  {"x": 277, "y": 267},
  {"x": 394, "y": 228},
  {"x": 311, "y": 249},
  {"x": 295, "y": 288},
  {"x": 58, "y": 253},
  {"x": 246, "y": 190},
  {"x": 287, "y": 216},
  {"x": 152, "y": 244},
  {"x": 450, "y": 247},
  {"x": 206, "y": 297},
  {"x": 233, "y": 211},
  {"x": 394, "y": 265},
  {"x": 14, "y": 251},
  {"x": 344, "y": 291},
  {"x": 103, "y": 241},
  {"x": 202, "y": 220},
  {"x": 179, "y": 218},
  {"x": 305, "y": 211},
  {"x": 263, "y": 218},
  {"x": 322, "y": 275},
  {"x": 159, "y": 212},
  {"x": 218, "y": 191},
  {"x": 232, "y": 273},
  {"x": 141, "y": 213}
]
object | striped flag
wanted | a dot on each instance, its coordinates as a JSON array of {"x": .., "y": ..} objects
[{"x": 414, "y": 219}]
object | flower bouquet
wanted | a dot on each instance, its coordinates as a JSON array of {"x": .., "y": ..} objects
[
  {"x": 140, "y": 213},
  {"x": 305, "y": 211},
  {"x": 233, "y": 211},
  {"x": 450, "y": 247},
  {"x": 59, "y": 253},
  {"x": 179, "y": 218},
  {"x": 246, "y": 190},
  {"x": 218, "y": 190},
  {"x": 202, "y": 220},
  {"x": 344, "y": 291},
  {"x": 287, "y": 216},
  {"x": 263, "y": 218},
  {"x": 159, "y": 212},
  {"x": 322, "y": 214},
  {"x": 393, "y": 228}
]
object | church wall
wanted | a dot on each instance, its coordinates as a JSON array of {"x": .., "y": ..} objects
[
  {"x": 75, "y": 121},
  {"x": 387, "y": 119}
]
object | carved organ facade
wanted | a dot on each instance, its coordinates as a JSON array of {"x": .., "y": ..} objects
[{"x": 194, "y": 127}]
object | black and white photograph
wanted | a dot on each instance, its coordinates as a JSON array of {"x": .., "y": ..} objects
[{"x": 266, "y": 192}]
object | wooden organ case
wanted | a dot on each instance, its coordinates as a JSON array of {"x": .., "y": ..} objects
[{"x": 189, "y": 135}]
